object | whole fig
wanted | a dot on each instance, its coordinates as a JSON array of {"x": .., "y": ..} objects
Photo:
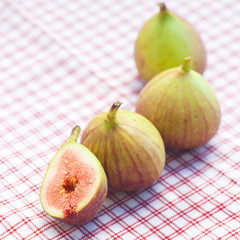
[
  {"x": 128, "y": 146},
  {"x": 182, "y": 105},
  {"x": 162, "y": 43}
]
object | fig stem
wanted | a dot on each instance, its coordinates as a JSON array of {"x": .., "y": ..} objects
[
  {"x": 113, "y": 111},
  {"x": 75, "y": 133},
  {"x": 163, "y": 8},
  {"x": 186, "y": 64}
]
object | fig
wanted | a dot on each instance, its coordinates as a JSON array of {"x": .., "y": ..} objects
[
  {"x": 162, "y": 43},
  {"x": 75, "y": 184},
  {"x": 182, "y": 105},
  {"x": 128, "y": 146}
]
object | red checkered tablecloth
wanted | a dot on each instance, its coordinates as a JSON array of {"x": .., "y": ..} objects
[{"x": 64, "y": 61}]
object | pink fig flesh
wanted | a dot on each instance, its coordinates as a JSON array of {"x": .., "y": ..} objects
[{"x": 75, "y": 185}]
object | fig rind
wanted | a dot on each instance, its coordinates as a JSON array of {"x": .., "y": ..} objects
[
  {"x": 162, "y": 43},
  {"x": 183, "y": 106},
  {"x": 131, "y": 151}
]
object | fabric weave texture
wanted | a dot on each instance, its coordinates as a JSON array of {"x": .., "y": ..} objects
[{"x": 64, "y": 61}]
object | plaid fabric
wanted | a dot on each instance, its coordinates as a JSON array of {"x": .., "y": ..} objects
[{"x": 64, "y": 61}]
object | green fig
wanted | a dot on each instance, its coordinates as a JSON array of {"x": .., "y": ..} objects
[
  {"x": 128, "y": 146},
  {"x": 75, "y": 185},
  {"x": 162, "y": 43},
  {"x": 182, "y": 105}
]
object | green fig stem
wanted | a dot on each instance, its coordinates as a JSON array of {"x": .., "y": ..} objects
[
  {"x": 113, "y": 111},
  {"x": 163, "y": 9},
  {"x": 186, "y": 64},
  {"x": 75, "y": 133}
]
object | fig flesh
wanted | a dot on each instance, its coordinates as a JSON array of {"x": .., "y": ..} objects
[
  {"x": 128, "y": 146},
  {"x": 182, "y": 105},
  {"x": 162, "y": 43},
  {"x": 75, "y": 185}
]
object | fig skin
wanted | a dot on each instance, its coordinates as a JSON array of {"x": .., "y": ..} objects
[
  {"x": 182, "y": 105},
  {"x": 128, "y": 146},
  {"x": 64, "y": 186},
  {"x": 162, "y": 43}
]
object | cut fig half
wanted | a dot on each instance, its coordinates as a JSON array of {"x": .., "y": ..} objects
[{"x": 75, "y": 185}]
